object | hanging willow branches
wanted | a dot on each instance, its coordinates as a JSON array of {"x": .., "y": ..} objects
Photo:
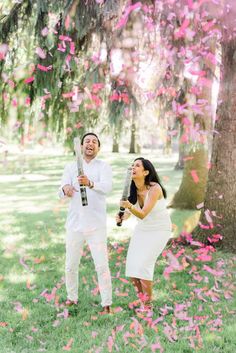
[{"x": 63, "y": 34}]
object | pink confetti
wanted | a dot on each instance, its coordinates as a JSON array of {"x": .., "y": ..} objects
[
  {"x": 68, "y": 94},
  {"x": 205, "y": 82},
  {"x": 72, "y": 48},
  {"x": 67, "y": 22},
  {"x": 228, "y": 295},
  {"x": 44, "y": 68},
  {"x": 208, "y": 217},
  {"x": 173, "y": 261},
  {"x": 156, "y": 346},
  {"x": 201, "y": 73},
  {"x": 110, "y": 343},
  {"x": 127, "y": 335},
  {"x": 200, "y": 205},
  {"x": 11, "y": 83},
  {"x": 28, "y": 286},
  {"x": 123, "y": 280},
  {"x": 123, "y": 20},
  {"x": 215, "y": 238},
  {"x": 97, "y": 100},
  {"x": 208, "y": 25},
  {"x": 180, "y": 33},
  {"x": 65, "y": 38},
  {"x": 3, "y": 324},
  {"x": 118, "y": 309},
  {"x": 122, "y": 294},
  {"x": 29, "y": 79},
  {"x": 204, "y": 257},
  {"x": 18, "y": 307},
  {"x": 3, "y": 51},
  {"x": 27, "y": 101},
  {"x": 214, "y": 296},
  {"x": 194, "y": 176},
  {"x": 22, "y": 262},
  {"x": 94, "y": 334},
  {"x": 213, "y": 272},
  {"x": 212, "y": 58},
  {"x": 44, "y": 31},
  {"x": 170, "y": 332},
  {"x": 97, "y": 87},
  {"x": 203, "y": 226},
  {"x": 69, "y": 344},
  {"x": 61, "y": 47},
  {"x": 64, "y": 314},
  {"x": 40, "y": 52}
]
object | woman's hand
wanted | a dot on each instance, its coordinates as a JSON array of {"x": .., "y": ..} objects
[
  {"x": 119, "y": 218},
  {"x": 123, "y": 217},
  {"x": 126, "y": 204}
]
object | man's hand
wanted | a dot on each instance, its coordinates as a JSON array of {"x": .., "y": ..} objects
[
  {"x": 68, "y": 190},
  {"x": 83, "y": 180}
]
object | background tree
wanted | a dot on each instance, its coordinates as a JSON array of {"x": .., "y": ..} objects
[{"x": 218, "y": 216}]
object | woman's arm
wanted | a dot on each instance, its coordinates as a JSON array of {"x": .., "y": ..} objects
[
  {"x": 155, "y": 193},
  {"x": 125, "y": 216}
]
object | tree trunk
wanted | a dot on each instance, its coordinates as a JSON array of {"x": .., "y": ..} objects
[
  {"x": 192, "y": 192},
  {"x": 192, "y": 189},
  {"x": 115, "y": 145},
  {"x": 182, "y": 150},
  {"x": 132, "y": 146},
  {"x": 218, "y": 217}
]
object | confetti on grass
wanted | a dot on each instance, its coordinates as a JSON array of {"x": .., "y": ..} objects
[{"x": 69, "y": 345}]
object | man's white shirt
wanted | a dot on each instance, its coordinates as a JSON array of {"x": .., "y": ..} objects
[{"x": 93, "y": 216}]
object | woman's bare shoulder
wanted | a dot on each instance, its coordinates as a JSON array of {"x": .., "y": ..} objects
[
  {"x": 155, "y": 188},
  {"x": 154, "y": 185}
]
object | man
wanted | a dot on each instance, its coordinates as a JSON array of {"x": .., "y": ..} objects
[{"x": 87, "y": 223}]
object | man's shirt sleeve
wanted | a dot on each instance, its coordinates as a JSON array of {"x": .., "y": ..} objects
[
  {"x": 104, "y": 186},
  {"x": 66, "y": 179}
]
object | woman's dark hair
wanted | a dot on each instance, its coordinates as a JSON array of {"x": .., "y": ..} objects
[{"x": 151, "y": 177}]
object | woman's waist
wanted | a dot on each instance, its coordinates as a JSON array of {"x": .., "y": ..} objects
[{"x": 157, "y": 220}]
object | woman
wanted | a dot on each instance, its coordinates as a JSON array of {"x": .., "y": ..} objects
[{"x": 147, "y": 203}]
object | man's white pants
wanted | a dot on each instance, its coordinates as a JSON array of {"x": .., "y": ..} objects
[{"x": 97, "y": 243}]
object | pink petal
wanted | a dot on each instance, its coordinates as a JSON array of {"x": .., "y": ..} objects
[
  {"x": 29, "y": 79},
  {"x": 40, "y": 53},
  {"x": 69, "y": 344},
  {"x": 44, "y": 31},
  {"x": 65, "y": 38},
  {"x": 194, "y": 176}
]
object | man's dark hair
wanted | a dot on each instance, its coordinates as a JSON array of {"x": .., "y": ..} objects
[{"x": 90, "y": 133}]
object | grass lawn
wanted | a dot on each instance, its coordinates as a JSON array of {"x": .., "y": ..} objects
[{"x": 194, "y": 307}]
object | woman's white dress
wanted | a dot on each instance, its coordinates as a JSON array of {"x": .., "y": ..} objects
[{"x": 149, "y": 239}]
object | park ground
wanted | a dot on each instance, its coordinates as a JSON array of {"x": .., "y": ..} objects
[{"x": 194, "y": 306}]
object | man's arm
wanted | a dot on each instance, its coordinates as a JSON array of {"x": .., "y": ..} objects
[
  {"x": 104, "y": 186},
  {"x": 66, "y": 189}
]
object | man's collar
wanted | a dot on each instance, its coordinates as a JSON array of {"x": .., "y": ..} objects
[{"x": 91, "y": 160}]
